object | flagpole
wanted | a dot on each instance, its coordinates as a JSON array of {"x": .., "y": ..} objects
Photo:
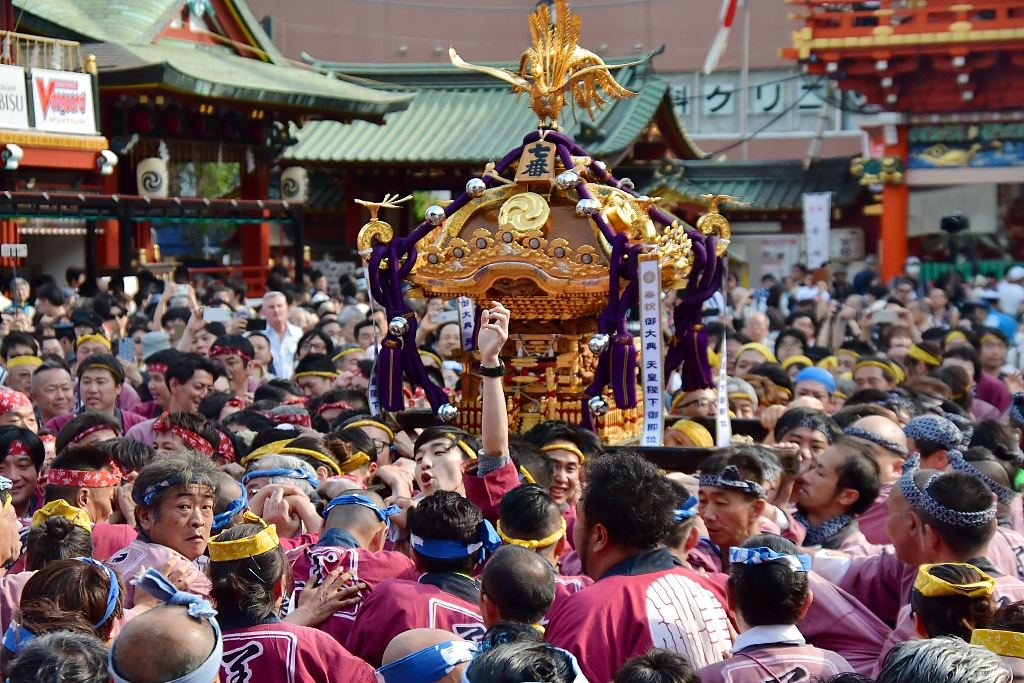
[{"x": 745, "y": 79}]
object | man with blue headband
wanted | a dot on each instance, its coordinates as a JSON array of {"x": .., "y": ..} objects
[
  {"x": 426, "y": 655},
  {"x": 174, "y": 498},
  {"x": 816, "y": 383},
  {"x": 769, "y": 594},
  {"x": 449, "y": 538},
  {"x": 355, "y": 530}
]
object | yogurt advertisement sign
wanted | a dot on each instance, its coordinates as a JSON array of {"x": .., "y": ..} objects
[
  {"x": 63, "y": 102},
  {"x": 13, "y": 100}
]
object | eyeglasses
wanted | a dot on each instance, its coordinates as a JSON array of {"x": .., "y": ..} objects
[{"x": 381, "y": 445}]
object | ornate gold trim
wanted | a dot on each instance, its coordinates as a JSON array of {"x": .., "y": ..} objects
[{"x": 84, "y": 143}]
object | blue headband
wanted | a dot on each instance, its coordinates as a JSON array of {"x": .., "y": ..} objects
[
  {"x": 935, "y": 429},
  {"x": 16, "y": 638},
  {"x": 729, "y": 478},
  {"x": 751, "y": 556},
  {"x": 959, "y": 463},
  {"x": 112, "y": 593},
  {"x": 157, "y": 585},
  {"x": 921, "y": 500},
  {"x": 687, "y": 510},
  {"x": 293, "y": 474},
  {"x": 819, "y": 375},
  {"x": 487, "y": 540},
  {"x": 153, "y": 489},
  {"x": 868, "y": 435},
  {"x": 221, "y": 521},
  {"x": 383, "y": 514},
  {"x": 429, "y": 664}
]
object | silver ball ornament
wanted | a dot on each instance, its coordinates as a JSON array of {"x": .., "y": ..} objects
[
  {"x": 434, "y": 215},
  {"x": 398, "y": 326},
  {"x": 627, "y": 184},
  {"x": 567, "y": 180},
  {"x": 447, "y": 412},
  {"x": 476, "y": 187},
  {"x": 587, "y": 207},
  {"x": 598, "y": 343},
  {"x": 598, "y": 406}
]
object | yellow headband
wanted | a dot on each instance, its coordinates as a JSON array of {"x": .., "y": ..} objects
[
  {"x": 931, "y": 586},
  {"x": 316, "y": 373},
  {"x": 793, "y": 360},
  {"x": 847, "y": 352},
  {"x": 533, "y": 545},
  {"x": 251, "y": 546},
  {"x": 887, "y": 368},
  {"x": 697, "y": 434},
  {"x": 760, "y": 348},
  {"x": 354, "y": 462},
  {"x": 372, "y": 423},
  {"x": 828, "y": 363},
  {"x": 98, "y": 338},
  {"x": 955, "y": 334},
  {"x": 740, "y": 394},
  {"x": 713, "y": 359},
  {"x": 1003, "y": 643},
  {"x": 466, "y": 448},
  {"x": 348, "y": 352},
  {"x": 984, "y": 338},
  {"x": 18, "y": 361},
  {"x": 567, "y": 447},
  {"x": 62, "y": 508},
  {"x": 527, "y": 477},
  {"x": 282, "y": 448},
  {"x": 919, "y": 354}
]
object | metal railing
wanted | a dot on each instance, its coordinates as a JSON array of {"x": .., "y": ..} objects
[{"x": 28, "y": 51}]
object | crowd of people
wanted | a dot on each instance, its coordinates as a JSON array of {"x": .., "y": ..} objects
[{"x": 196, "y": 486}]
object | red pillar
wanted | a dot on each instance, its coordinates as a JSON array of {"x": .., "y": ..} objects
[
  {"x": 108, "y": 243},
  {"x": 895, "y": 212},
  {"x": 255, "y": 236}
]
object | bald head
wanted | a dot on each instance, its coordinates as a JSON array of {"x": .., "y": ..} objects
[
  {"x": 414, "y": 640},
  {"x": 807, "y": 402},
  {"x": 887, "y": 440},
  {"x": 519, "y": 583},
  {"x": 360, "y": 521},
  {"x": 184, "y": 643}
]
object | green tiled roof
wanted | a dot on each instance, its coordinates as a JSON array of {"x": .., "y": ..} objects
[
  {"x": 458, "y": 117},
  {"x": 219, "y": 74},
  {"x": 122, "y": 21},
  {"x": 764, "y": 185},
  {"x": 121, "y": 33}
]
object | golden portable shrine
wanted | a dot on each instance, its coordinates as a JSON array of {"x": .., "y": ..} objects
[{"x": 550, "y": 233}]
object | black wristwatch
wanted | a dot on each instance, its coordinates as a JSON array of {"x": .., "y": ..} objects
[{"x": 493, "y": 372}]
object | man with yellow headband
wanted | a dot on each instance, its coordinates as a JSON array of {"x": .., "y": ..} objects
[
  {"x": 101, "y": 381},
  {"x": 19, "y": 372}
]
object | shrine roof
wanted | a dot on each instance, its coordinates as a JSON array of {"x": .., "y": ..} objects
[
  {"x": 458, "y": 117},
  {"x": 125, "y": 36},
  {"x": 764, "y": 185}
]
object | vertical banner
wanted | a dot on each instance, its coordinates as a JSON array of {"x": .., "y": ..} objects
[
  {"x": 466, "y": 323},
  {"x": 817, "y": 213},
  {"x": 371, "y": 392},
  {"x": 650, "y": 356},
  {"x": 723, "y": 433}
]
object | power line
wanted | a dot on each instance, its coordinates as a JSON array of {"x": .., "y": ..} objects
[{"x": 763, "y": 128}]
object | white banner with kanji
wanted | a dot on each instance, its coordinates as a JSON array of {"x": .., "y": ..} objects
[
  {"x": 650, "y": 353},
  {"x": 817, "y": 212}
]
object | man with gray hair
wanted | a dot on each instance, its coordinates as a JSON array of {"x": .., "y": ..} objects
[
  {"x": 942, "y": 659},
  {"x": 347, "y": 319},
  {"x": 283, "y": 336},
  {"x": 174, "y": 498}
]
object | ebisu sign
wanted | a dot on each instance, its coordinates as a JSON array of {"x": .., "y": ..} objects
[
  {"x": 62, "y": 102},
  {"x": 13, "y": 98}
]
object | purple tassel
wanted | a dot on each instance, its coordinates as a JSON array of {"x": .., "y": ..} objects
[
  {"x": 389, "y": 375},
  {"x": 623, "y": 371}
]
